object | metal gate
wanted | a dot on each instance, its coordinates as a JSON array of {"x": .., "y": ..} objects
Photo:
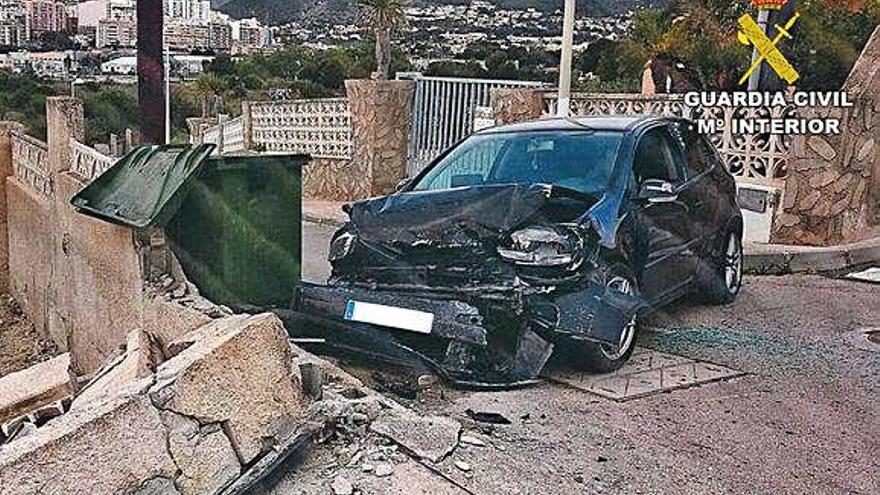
[{"x": 444, "y": 112}]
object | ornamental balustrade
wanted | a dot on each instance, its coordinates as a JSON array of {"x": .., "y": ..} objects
[
  {"x": 756, "y": 158},
  {"x": 88, "y": 163},
  {"x": 30, "y": 164},
  {"x": 318, "y": 127},
  {"x": 232, "y": 132}
]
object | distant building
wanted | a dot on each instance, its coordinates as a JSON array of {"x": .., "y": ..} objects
[
  {"x": 52, "y": 65},
  {"x": 14, "y": 30},
  {"x": 190, "y": 10},
  {"x": 116, "y": 33},
  {"x": 46, "y": 16},
  {"x": 122, "y": 66}
]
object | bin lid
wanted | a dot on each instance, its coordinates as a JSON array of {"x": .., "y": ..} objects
[{"x": 146, "y": 187}]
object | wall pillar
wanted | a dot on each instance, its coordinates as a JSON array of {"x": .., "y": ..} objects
[
  {"x": 832, "y": 192},
  {"x": 6, "y": 131},
  {"x": 512, "y": 105},
  {"x": 381, "y": 116},
  {"x": 65, "y": 121}
]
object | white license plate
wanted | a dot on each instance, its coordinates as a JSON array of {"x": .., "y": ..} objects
[{"x": 389, "y": 316}]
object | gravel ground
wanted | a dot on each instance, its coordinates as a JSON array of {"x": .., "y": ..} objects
[
  {"x": 803, "y": 420},
  {"x": 20, "y": 344}
]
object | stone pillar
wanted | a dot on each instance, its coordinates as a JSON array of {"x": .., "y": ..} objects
[
  {"x": 381, "y": 116},
  {"x": 6, "y": 131},
  {"x": 65, "y": 121},
  {"x": 248, "y": 124},
  {"x": 832, "y": 192},
  {"x": 512, "y": 105}
]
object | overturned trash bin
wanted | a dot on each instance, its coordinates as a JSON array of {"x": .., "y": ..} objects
[{"x": 234, "y": 222}]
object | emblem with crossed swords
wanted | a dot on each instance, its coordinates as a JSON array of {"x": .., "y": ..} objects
[{"x": 752, "y": 34}]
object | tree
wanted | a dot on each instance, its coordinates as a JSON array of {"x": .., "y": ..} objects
[
  {"x": 383, "y": 17},
  {"x": 210, "y": 88}
]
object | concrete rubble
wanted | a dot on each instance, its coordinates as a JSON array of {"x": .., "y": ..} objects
[
  {"x": 192, "y": 427},
  {"x": 27, "y": 391}
]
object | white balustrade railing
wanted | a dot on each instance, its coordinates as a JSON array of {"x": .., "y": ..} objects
[
  {"x": 319, "y": 127},
  {"x": 233, "y": 136},
  {"x": 88, "y": 163},
  {"x": 30, "y": 164},
  {"x": 760, "y": 158}
]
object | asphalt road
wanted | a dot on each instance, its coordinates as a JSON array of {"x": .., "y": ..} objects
[{"x": 803, "y": 420}]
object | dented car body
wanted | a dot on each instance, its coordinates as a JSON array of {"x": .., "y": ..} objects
[{"x": 523, "y": 239}]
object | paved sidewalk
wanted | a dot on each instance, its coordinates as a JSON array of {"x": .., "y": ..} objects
[{"x": 761, "y": 259}]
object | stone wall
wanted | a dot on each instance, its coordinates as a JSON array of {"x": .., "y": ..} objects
[
  {"x": 832, "y": 193},
  {"x": 336, "y": 179},
  {"x": 381, "y": 116},
  {"x": 517, "y": 105}
]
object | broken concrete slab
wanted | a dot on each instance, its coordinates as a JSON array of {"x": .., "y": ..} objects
[
  {"x": 203, "y": 453},
  {"x": 648, "y": 372},
  {"x": 111, "y": 448},
  {"x": 428, "y": 437},
  {"x": 238, "y": 373},
  {"x": 35, "y": 387},
  {"x": 143, "y": 354}
]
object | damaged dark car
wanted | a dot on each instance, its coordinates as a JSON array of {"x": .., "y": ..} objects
[{"x": 557, "y": 235}]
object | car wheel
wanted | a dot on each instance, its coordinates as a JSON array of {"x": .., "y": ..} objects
[
  {"x": 722, "y": 278},
  {"x": 600, "y": 358}
]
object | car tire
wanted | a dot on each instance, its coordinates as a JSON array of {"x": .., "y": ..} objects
[
  {"x": 599, "y": 358},
  {"x": 720, "y": 276}
]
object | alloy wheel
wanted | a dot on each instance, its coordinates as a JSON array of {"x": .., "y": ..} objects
[
  {"x": 627, "y": 337},
  {"x": 733, "y": 264}
]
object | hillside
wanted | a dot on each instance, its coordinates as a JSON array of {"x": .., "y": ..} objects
[{"x": 276, "y": 12}]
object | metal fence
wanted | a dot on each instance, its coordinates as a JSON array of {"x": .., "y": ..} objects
[
  {"x": 444, "y": 113},
  {"x": 756, "y": 158}
]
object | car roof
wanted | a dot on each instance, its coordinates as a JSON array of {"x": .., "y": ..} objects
[{"x": 599, "y": 123}]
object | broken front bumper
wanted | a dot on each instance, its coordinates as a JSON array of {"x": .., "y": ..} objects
[{"x": 593, "y": 314}]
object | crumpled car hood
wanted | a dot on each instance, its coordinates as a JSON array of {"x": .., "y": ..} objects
[{"x": 458, "y": 216}]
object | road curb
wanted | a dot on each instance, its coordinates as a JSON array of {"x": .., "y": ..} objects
[
  {"x": 787, "y": 260},
  {"x": 321, "y": 220}
]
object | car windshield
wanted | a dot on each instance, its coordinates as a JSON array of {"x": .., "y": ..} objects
[{"x": 579, "y": 160}]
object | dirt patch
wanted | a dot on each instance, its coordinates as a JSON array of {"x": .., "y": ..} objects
[{"x": 21, "y": 346}]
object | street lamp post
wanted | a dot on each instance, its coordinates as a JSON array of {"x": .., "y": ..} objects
[{"x": 563, "y": 106}]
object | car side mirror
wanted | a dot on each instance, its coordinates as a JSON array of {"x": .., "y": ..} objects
[
  {"x": 657, "y": 191},
  {"x": 403, "y": 184}
]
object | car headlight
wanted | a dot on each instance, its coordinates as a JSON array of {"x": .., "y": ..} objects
[
  {"x": 342, "y": 246},
  {"x": 543, "y": 247}
]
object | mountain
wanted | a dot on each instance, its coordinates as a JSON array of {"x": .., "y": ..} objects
[{"x": 276, "y": 12}]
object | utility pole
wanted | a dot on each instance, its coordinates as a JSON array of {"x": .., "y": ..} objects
[
  {"x": 563, "y": 105},
  {"x": 151, "y": 71}
]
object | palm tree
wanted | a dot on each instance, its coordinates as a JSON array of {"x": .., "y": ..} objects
[
  {"x": 383, "y": 17},
  {"x": 210, "y": 88}
]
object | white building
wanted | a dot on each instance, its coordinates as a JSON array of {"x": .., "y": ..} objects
[
  {"x": 190, "y": 10},
  {"x": 14, "y": 26},
  {"x": 122, "y": 66}
]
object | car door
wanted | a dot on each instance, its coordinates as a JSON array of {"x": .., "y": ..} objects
[
  {"x": 699, "y": 189},
  {"x": 665, "y": 228}
]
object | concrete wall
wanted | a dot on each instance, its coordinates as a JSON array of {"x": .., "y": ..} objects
[{"x": 79, "y": 280}]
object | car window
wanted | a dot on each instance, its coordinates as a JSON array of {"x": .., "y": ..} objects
[
  {"x": 698, "y": 155},
  {"x": 467, "y": 166},
  {"x": 580, "y": 160},
  {"x": 656, "y": 158}
]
